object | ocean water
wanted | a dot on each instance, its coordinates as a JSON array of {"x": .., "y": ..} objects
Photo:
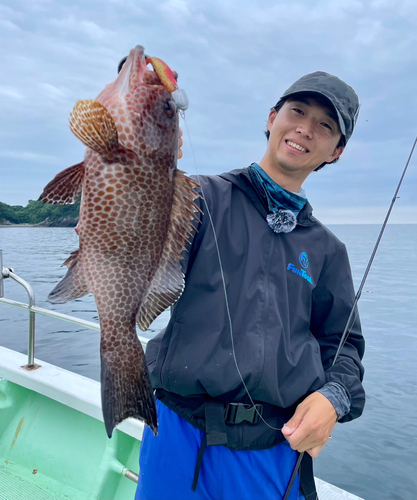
[{"x": 373, "y": 456}]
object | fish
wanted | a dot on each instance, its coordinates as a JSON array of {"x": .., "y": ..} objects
[{"x": 137, "y": 216}]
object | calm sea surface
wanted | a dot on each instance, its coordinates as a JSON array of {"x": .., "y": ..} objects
[{"x": 373, "y": 456}]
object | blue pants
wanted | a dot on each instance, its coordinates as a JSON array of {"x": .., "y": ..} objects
[{"x": 167, "y": 464}]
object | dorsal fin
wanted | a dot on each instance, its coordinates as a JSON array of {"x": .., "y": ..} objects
[
  {"x": 65, "y": 188},
  {"x": 93, "y": 125},
  {"x": 168, "y": 281}
]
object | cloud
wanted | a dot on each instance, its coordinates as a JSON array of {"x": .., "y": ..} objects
[
  {"x": 75, "y": 25},
  {"x": 93, "y": 30},
  {"x": 29, "y": 156},
  {"x": 8, "y": 13},
  {"x": 10, "y": 92},
  {"x": 52, "y": 92},
  {"x": 233, "y": 62},
  {"x": 180, "y": 8},
  {"x": 8, "y": 25},
  {"x": 368, "y": 31}
]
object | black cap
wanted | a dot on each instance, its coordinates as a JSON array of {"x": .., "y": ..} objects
[
  {"x": 121, "y": 64},
  {"x": 341, "y": 96}
]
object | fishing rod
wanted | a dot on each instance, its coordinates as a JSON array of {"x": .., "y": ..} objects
[{"x": 353, "y": 312}]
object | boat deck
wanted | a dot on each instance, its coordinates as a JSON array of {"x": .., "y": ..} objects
[{"x": 52, "y": 440}]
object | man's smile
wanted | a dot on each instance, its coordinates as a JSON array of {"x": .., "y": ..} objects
[{"x": 294, "y": 145}]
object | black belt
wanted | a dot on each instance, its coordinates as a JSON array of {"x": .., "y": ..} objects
[
  {"x": 236, "y": 413},
  {"x": 216, "y": 417}
]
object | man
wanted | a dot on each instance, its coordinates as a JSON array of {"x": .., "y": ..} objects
[{"x": 243, "y": 372}]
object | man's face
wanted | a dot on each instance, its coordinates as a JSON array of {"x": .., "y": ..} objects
[{"x": 303, "y": 135}]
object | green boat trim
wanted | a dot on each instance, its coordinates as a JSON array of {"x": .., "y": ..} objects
[
  {"x": 53, "y": 444},
  {"x": 66, "y": 387}
]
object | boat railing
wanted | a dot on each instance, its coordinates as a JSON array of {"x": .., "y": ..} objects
[{"x": 33, "y": 310}]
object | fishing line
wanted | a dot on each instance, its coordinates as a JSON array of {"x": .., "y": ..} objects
[
  {"x": 223, "y": 279},
  {"x": 359, "y": 293},
  {"x": 354, "y": 312}
]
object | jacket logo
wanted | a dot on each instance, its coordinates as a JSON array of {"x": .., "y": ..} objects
[{"x": 303, "y": 258}]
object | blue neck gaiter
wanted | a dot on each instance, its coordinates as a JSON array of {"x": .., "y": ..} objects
[{"x": 284, "y": 205}]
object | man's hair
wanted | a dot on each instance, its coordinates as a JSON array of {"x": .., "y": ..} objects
[{"x": 323, "y": 102}]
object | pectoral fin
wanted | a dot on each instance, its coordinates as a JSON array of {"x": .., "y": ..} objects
[
  {"x": 73, "y": 285},
  {"x": 93, "y": 125},
  {"x": 65, "y": 188}
]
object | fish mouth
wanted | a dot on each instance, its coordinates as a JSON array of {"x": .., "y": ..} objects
[
  {"x": 135, "y": 66},
  {"x": 134, "y": 71},
  {"x": 131, "y": 71}
]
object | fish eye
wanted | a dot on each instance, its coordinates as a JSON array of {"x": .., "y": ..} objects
[{"x": 169, "y": 109}]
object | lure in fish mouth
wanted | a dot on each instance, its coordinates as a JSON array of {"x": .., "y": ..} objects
[{"x": 136, "y": 217}]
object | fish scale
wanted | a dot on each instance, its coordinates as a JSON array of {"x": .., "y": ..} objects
[{"x": 136, "y": 217}]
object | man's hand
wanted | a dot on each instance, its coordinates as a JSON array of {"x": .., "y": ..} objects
[
  {"x": 312, "y": 424},
  {"x": 180, "y": 143}
]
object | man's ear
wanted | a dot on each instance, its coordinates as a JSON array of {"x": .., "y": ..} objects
[
  {"x": 336, "y": 154},
  {"x": 271, "y": 119}
]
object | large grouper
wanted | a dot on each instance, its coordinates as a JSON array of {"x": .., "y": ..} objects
[{"x": 136, "y": 217}]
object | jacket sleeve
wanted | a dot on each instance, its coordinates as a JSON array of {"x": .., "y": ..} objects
[{"x": 333, "y": 298}]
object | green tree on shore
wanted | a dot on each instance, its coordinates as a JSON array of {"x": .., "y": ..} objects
[{"x": 37, "y": 212}]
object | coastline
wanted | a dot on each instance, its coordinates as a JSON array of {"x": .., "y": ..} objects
[
  {"x": 35, "y": 225},
  {"x": 75, "y": 223},
  {"x": 20, "y": 225}
]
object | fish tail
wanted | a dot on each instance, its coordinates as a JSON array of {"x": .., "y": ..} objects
[{"x": 126, "y": 391}]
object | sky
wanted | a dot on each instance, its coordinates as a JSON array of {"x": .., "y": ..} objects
[{"x": 234, "y": 60}]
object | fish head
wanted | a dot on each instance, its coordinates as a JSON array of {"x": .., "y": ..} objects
[{"x": 143, "y": 110}]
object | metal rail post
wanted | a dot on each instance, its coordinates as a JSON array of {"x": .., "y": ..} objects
[
  {"x": 9, "y": 273},
  {"x": 1, "y": 275}
]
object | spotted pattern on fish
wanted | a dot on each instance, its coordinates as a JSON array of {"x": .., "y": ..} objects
[{"x": 136, "y": 217}]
